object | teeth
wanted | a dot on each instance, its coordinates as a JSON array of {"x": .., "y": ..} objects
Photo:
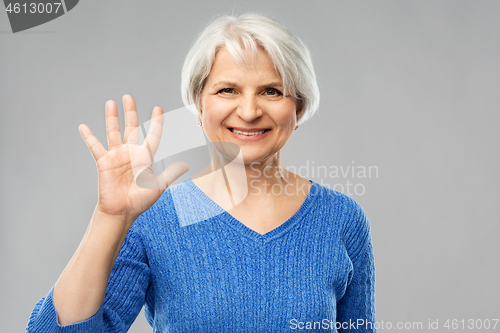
[{"x": 247, "y": 133}]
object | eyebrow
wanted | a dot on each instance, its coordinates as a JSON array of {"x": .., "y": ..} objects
[{"x": 233, "y": 84}]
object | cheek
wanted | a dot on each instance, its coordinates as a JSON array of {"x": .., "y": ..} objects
[
  {"x": 286, "y": 116},
  {"x": 221, "y": 105},
  {"x": 213, "y": 113}
]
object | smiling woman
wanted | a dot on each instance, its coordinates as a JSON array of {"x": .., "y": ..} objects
[
  {"x": 265, "y": 249},
  {"x": 252, "y": 104},
  {"x": 242, "y": 105}
]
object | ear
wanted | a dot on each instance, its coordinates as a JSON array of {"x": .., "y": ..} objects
[
  {"x": 200, "y": 112},
  {"x": 300, "y": 109},
  {"x": 199, "y": 107}
]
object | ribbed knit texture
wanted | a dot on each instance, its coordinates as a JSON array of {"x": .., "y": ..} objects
[{"x": 218, "y": 275}]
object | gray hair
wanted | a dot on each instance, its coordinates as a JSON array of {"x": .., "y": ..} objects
[{"x": 290, "y": 56}]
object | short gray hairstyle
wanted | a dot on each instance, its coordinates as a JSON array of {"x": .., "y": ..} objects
[{"x": 289, "y": 54}]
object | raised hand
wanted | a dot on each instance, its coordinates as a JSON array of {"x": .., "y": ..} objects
[{"x": 127, "y": 184}]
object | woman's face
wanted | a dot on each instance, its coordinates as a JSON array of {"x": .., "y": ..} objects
[{"x": 246, "y": 106}]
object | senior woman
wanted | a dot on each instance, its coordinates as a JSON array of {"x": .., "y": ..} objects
[{"x": 246, "y": 246}]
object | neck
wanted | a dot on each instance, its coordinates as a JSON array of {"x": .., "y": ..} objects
[{"x": 227, "y": 174}]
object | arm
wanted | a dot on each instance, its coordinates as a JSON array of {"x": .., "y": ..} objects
[
  {"x": 358, "y": 303},
  {"x": 125, "y": 294},
  {"x": 127, "y": 187},
  {"x": 79, "y": 291}
]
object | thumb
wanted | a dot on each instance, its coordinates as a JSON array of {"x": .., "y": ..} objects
[{"x": 172, "y": 172}]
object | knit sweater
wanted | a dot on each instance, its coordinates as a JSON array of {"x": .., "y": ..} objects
[{"x": 315, "y": 272}]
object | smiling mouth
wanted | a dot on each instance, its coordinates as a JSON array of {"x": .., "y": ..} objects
[{"x": 235, "y": 131}]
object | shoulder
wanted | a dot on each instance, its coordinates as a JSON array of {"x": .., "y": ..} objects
[
  {"x": 345, "y": 210},
  {"x": 342, "y": 204}
]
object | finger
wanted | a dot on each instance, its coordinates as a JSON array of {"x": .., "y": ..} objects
[
  {"x": 95, "y": 146},
  {"x": 174, "y": 171},
  {"x": 112, "y": 125},
  {"x": 153, "y": 138},
  {"x": 131, "y": 134}
]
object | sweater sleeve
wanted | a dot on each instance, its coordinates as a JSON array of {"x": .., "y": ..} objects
[
  {"x": 356, "y": 309},
  {"x": 125, "y": 294}
]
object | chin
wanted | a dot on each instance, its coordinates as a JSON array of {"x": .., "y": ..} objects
[{"x": 256, "y": 158}]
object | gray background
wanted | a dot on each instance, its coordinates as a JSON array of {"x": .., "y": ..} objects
[{"x": 411, "y": 87}]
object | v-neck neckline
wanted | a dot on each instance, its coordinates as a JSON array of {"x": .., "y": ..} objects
[{"x": 250, "y": 233}]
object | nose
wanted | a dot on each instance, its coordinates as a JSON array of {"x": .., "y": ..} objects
[{"x": 248, "y": 108}]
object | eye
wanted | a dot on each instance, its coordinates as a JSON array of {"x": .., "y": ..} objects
[
  {"x": 226, "y": 91},
  {"x": 272, "y": 92}
]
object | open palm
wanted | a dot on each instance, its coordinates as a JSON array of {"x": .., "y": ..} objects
[{"x": 127, "y": 184}]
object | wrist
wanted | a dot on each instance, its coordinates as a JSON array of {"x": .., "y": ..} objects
[{"x": 115, "y": 223}]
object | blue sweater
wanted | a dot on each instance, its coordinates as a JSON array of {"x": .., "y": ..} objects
[{"x": 315, "y": 272}]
